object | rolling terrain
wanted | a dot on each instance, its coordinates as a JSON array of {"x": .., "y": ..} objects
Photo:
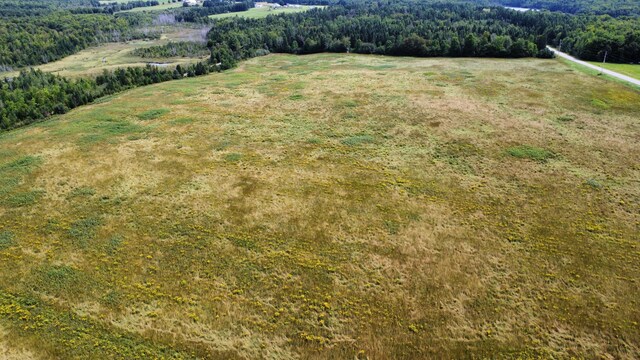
[{"x": 329, "y": 206}]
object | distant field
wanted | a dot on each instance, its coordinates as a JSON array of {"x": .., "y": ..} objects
[
  {"x": 126, "y": 1},
  {"x": 259, "y": 13},
  {"x": 89, "y": 61},
  {"x": 625, "y": 69},
  {"x": 329, "y": 207},
  {"x": 162, "y": 6}
]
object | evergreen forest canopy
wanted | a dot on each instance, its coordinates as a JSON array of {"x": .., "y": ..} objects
[
  {"x": 411, "y": 28},
  {"x": 403, "y": 29},
  {"x": 598, "y": 7}
]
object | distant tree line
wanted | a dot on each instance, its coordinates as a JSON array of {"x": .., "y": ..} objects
[
  {"x": 36, "y": 95},
  {"x": 389, "y": 28},
  {"x": 410, "y": 28},
  {"x": 211, "y": 7},
  {"x": 114, "y": 7},
  {"x": 37, "y": 39},
  {"x": 173, "y": 49},
  {"x": 590, "y": 37},
  {"x": 600, "y": 7}
]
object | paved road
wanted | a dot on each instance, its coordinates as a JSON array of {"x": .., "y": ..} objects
[{"x": 605, "y": 71}]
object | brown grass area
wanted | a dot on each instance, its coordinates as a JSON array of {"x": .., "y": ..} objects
[{"x": 331, "y": 206}]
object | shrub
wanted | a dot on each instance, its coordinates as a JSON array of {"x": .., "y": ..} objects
[{"x": 530, "y": 152}]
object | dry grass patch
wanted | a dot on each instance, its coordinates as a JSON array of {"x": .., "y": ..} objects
[{"x": 330, "y": 206}]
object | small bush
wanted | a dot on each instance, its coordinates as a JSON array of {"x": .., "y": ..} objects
[
  {"x": 6, "y": 239},
  {"x": 84, "y": 230},
  {"x": 82, "y": 191},
  {"x": 566, "y": 118},
  {"x": 56, "y": 280},
  {"x": 545, "y": 54},
  {"x": 358, "y": 140},
  {"x": 233, "y": 157},
  {"x": 23, "y": 198},
  {"x": 530, "y": 152},
  {"x": 593, "y": 183}
]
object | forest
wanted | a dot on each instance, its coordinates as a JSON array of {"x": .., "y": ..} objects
[
  {"x": 36, "y": 95},
  {"x": 36, "y": 37},
  {"x": 173, "y": 49},
  {"x": 609, "y": 7},
  {"x": 590, "y": 37},
  {"x": 402, "y": 29}
]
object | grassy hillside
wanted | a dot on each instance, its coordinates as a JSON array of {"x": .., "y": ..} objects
[{"x": 329, "y": 206}]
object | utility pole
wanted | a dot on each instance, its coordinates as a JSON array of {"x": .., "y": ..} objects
[
  {"x": 560, "y": 46},
  {"x": 604, "y": 61}
]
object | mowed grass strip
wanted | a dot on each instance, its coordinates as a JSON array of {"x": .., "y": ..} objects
[{"x": 329, "y": 206}]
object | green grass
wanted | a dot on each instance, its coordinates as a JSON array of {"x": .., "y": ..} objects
[
  {"x": 263, "y": 12},
  {"x": 82, "y": 192},
  {"x": 632, "y": 70},
  {"x": 21, "y": 165},
  {"x": 596, "y": 73},
  {"x": 286, "y": 209},
  {"x": 152, "y": 114},
  {"x": 358, "y": 140},
  {"x": 531, "y": 152},
  {"x": 83, "y": 231},
  {"x": 233, "y": 157},
  {"x": 162, "y": 6},
  {"x": 106, "y": 2},
  {"x": 7, "y": 239}
]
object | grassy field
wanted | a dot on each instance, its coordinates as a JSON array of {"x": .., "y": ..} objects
[
  {"x": 625, "y": 69},
  {"x": 88, "y": 62},
  {"x": 263, "y": 12},
  {"x": 162, "y": 6},
  {"x": 329, "y": 206},
  {"x": 107, "y": 2}
]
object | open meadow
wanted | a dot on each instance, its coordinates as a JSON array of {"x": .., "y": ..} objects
[{"x": 329, "y": 206}]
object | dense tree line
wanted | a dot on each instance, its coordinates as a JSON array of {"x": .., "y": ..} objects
[
  {"x": 114, "y": 7},
  {"x": 211, "y": 7},
  {"x": 37, "y": 32},
  {"x": 35, "y": 95},
  {"x": 390, "y": 28},
  {"x": 589, "y": 38},
  {"x": 11, "y": 8},
  {"x": 412, "y": 28},
  {"x": 173, "y": 49},
  {"x": 38, "y": 40},
  {"x": 609, "y": 7}
]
